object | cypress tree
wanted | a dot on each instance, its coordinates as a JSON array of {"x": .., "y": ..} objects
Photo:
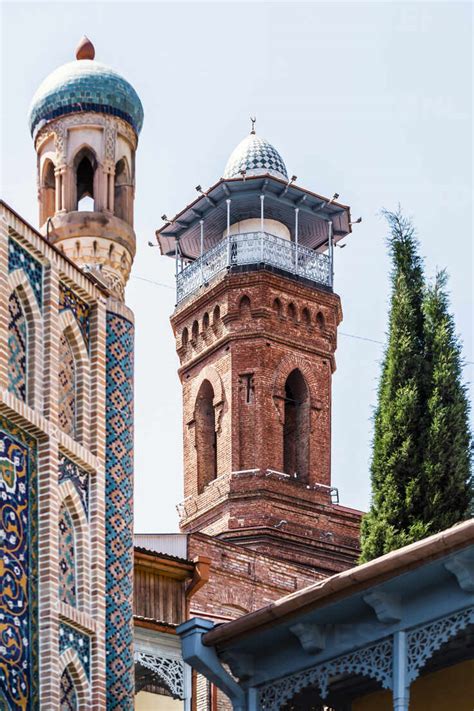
[
  {"x": 448, "y": 446},
  {"x": 396, "y": 514}
]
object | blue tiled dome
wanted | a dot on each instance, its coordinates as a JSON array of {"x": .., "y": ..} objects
[
  {"x": 256, "y": 156},
  {"x": 85, "y": 85}
]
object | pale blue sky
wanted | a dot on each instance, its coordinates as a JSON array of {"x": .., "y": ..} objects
[{"x": 370, "y": 100}]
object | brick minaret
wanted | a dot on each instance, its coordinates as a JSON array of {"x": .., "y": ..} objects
[{"x": 256, "y": 331}]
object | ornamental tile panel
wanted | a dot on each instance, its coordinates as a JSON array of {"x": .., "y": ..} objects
[
  {"x": 68, "y": 696},
  {"x": 67, "y": 562},
  {"x": 70, "y": 301},
  {"x": 17, "y": 347},
  {"x": 69, "y": 471},
  {"x": 119, "y": 513},
  {"x": 80, "y": 642},
  {"x": 67, "y": 387},
  {"x": 18, "y": 602},
  {"x": 20, "y": 258}
]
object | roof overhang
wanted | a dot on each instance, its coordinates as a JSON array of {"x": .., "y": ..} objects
[{"x": 281, "y": 199}]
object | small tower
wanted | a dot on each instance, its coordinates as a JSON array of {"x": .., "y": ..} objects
[
  {"x": 85, "y": 120},
  {"x": 256, "y": 331}
]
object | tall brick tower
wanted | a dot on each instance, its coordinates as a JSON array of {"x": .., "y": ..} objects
[
  {"x": 85, "y": 120},
  {"x": 256, "y": 331}
]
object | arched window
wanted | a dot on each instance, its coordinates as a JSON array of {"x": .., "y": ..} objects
[
  {"x": 195, "y": 331},
  {"x": 123, "y": 191},
  {"x": 85, "y": 165},
  {"x": 306, "y": 316},
  {"x": 68, "y": 696},
  {"x": 244, "y": 307},
  {"x": 277, "y": 308},
  {"x": 205, "y": 321},
  {"x": 48, "y": 192},
  {"x": 291, "y": 312},
  {"x": 297, "y": 427},
  {"x": 67, "y": 557},
  {"x": 185, "y": 337},
  {"x": 206, "y": 435},
  {"x": 67, "y": 404},
  {"x": 17, "y": 347},
  {"x": 320, "y": 319}
]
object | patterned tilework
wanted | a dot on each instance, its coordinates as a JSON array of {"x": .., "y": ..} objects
[
  {"x": 18, "y": 601},
  {"x": 67, "y": 387},
  {"x": 80, "y": 641},
  {"x": 67, "y": 562},
  {"x": 19, "y": 258},
  {"x": 68, "y": 470},
  {"x": 256, "y": 156},
  {"x": 119, "y": 513},
  {"x": 68, "y": 693},
  {"x": 17, "y": 345},
  {"x": 68, "y": 300},
  {"x": 85, "y": 86}
]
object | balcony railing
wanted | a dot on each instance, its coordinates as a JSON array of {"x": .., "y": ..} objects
[{"x": 254, "y": 248}]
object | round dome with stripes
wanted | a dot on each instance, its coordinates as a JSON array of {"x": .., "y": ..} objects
[{"x": 255, "y": 156}]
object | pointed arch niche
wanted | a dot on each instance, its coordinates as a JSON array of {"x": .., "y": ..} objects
[
  {"x": 74, "y": 686},
  {"x": 296, "y": 429},
  {"x": 123, "y": 192},
  {"x": 73, "y": 380},
  {"x": 73, "y": 550},
  {"x": 206, "y": 435},
  {"x": 86, "y": 177},
  {"x": 25, "y": 340},
  {"x": 47, "y": 191}
]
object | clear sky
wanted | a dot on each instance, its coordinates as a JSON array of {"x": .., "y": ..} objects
[{"x": 370, "y": 100}]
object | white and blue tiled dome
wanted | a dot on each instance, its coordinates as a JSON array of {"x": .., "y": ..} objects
[
  {"x": 85, "y": 85},
  {"x": 255, "y": 156}
]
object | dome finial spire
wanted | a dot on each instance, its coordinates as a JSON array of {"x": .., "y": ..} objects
[
  {"x": 85, "y": 49},
  {"x": 253, "y": 120}
]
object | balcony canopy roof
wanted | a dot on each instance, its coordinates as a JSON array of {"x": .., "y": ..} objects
[{"x": 281, "y": 199}]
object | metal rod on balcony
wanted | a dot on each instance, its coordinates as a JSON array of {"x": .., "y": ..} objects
[
  {"x": 176, "y": 256},
  {"x": 201, "y": 222},
  {"x": 296, "y": 237},
  {"x": 331, "y": 253},
  {"x": 228, "y": 231},
  {"x": 262, "y": 225}
]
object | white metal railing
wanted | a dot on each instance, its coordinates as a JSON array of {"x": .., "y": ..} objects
[{"x": 254, "y": 248}]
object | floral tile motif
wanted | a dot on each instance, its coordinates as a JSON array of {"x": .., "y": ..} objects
[
  {"x": 19, "y": 258},
  {"x": 69, "y": 300}
]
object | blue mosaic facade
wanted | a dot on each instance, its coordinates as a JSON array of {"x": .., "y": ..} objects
[
  {"x": 69, "y": 471},
  {"x": 79, "y": 641},
  {"x": 119, "y": 513},
  {"x": 70, "y": 301},
  {"x": 68, "y": 698},
  {"x": 67, "y": 557},
  {"x": 17, "y": 347},
  {"x": 85, "y": 85},
  {"x": 19, "y": 258},
  {"x": 18, "y": 601}
]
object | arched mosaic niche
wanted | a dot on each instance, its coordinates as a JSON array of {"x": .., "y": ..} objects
[
  {"x": 67, "y": 557},
  {"x": 67, "y": 405},
  {"x": 17, "y": 347},
  {"x": 19, "y": 600},
  {"x": 68, "y": 698}
]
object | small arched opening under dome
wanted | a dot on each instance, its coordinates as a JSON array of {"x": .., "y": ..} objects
[
  {"x": 296, "y": 429},
  {"x": 245, "y": 307},
  {"x": 47, "y": 192},
  {"x": 85, "y": 166},
  {"x": 206, "y": 435},
  {"x": 123, "y": 192}
]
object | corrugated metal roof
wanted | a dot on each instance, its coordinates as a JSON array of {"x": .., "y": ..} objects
[{"x": 175, "y": 544}]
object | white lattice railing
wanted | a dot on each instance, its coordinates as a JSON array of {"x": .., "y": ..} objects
[{"x": 254, "y": 248}]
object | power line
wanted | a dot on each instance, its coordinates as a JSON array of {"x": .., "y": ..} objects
[{"x": 341, "y": 333}]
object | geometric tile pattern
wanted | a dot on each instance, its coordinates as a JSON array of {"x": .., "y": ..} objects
[
  {"x": 85, "y": 85},
  {"x": 67, "y": 387},
  {"x": 69, "y": 471},
  {"x": 79, "y": 641},
  {"x": 66, "y": 553},
  {"x": 17, "y": 345},
  {"x": 119, "y": 513},
  {"x": 256, "y": 156},
  {"x": 69, "y": 301},
  {"x": 19, "y": 258},
  {"x": 18, "y": 601},
  {"x": 68, "y": 698}
]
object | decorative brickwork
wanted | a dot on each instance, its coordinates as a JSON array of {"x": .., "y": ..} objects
[
  {"x": 18, "y": 621},
  {"x": 69, "y": 471},
  {"x": 17, "y": 347},
  {"x": 70, "y": 637},
  {"x": 68, "y": 692},
  {"x": 69, "y": 300},
  {"x": 67, "y": 557},
  {"x": 19, "y": 258},
  {"x": 119, "y": 513},
  {"x": 67, "y": 387}
]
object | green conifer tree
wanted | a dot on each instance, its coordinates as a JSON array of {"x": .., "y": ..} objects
[
  {"x": 396, "y": 514},
  {"x": 448, "y": 447}
]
